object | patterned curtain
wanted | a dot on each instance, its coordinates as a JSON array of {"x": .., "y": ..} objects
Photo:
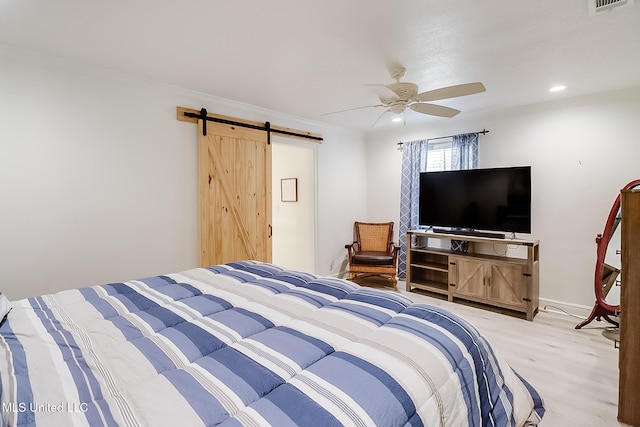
[
  {"x": 464, "y": 155},
  {"x": 414, "y": 161},
  {"x": 464, "y": 151}
]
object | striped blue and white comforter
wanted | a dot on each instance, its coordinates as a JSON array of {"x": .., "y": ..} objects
[{"x": 250, "y": 344}]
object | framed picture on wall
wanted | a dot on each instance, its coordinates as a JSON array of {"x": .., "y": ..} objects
[{"x": 289, "y": 189}]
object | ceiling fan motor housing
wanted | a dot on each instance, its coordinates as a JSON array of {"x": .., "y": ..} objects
[
  {"x": 398, "y": 107},
  {"x": 405, "y": 92}
]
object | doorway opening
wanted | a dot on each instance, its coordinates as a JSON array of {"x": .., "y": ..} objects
[{"x": 294, "y": 173}]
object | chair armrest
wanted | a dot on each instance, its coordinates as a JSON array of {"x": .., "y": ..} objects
[
  {"x": 393, "y": 250},
  {"x": 351, "y": 249}
]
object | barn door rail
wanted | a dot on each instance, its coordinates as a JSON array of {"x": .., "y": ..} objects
[{"x": 195, "y": 115}]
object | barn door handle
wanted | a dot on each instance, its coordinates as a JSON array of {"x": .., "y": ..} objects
[{"x": 270, "y": 230}]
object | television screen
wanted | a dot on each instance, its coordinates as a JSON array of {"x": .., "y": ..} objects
[{"x": 497, "y": 199}]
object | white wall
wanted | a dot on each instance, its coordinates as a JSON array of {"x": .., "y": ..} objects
[
  {"x": 342, "y": 200},
  {"x": 98, "y": 180},
  {"x": 582, "y": 151}
]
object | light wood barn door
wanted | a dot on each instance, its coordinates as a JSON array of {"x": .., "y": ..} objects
[{"x": 234, "y": 194}]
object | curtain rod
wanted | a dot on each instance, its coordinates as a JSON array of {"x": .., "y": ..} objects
[{"x": 483, "y": 131}]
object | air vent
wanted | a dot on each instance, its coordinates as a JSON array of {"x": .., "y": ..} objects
[{"x": 599, "y": 6}]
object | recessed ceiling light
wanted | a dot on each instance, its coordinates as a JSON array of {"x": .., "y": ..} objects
[
  {"x": 557, "y": 88},
  {"x": 396, "y": 119}
]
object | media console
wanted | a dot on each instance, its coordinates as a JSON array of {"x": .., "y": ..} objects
[{"x": 493, "y": 279}]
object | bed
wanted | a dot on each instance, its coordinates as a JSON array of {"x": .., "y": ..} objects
[{"x": 250, "y": 344}]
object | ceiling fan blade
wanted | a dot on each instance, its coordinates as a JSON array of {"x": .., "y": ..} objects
[
  {"x": 376, "y": 123},
  {"x": 451, "y": 92},
  {"x": 383, "y": 92},
  {"x": 434, "y": 110},
  {"x": 352, "y": 109}
]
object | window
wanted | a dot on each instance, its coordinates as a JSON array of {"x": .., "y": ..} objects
[{"x": 439, "y": 156}]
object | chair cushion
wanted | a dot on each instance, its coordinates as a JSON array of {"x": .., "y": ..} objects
[{"x": 372, "y": 258}]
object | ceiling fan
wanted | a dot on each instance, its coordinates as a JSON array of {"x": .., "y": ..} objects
[{"x": 397, "y": 97}]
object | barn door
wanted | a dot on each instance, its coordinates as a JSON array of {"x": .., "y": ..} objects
[{"x": 234, "y": 194}]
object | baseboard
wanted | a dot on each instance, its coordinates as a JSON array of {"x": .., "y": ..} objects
[
  {"x": 567, "y": 308},
  {"x": 342, "y": 274}
]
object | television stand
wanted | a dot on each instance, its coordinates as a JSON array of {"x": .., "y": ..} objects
[
  {"x": 474, "y": 233},
  {"x": 504, "y": 280}
]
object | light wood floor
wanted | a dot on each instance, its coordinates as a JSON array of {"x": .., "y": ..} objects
[{"x": 575, "y": 371}]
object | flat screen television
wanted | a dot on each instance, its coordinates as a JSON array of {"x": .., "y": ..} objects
[{"x": 497, "y": 199}]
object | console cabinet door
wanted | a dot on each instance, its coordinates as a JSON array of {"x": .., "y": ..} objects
[
  {"x": 507, "y": 284},
  {"x": 469, "y": 277},
  {"x": 482, "y": 280}
]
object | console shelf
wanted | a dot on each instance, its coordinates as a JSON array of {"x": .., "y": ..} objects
[{"x": 508, "y": 282}]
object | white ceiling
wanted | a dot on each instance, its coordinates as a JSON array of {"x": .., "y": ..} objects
[{"x": 307, "y": 58}]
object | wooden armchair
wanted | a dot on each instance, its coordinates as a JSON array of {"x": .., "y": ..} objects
[{"x": 373, "y": 253}]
